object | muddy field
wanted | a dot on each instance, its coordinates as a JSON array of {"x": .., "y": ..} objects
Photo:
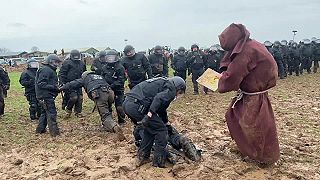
[{"x": 85, "y": 152}]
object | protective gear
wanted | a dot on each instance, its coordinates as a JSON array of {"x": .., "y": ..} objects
[
  {"x": 102, "y": 54},
  {"x": 268, "y": 43},
  {"x": 179, "y": 83},
  {"x": 75, "y": 55},
  {"x": 181, "y": 50},
  {"x": 158, "y": 50},
  {"x": 306, "y": 41},
  {"x": 284, "y": 42},
  {"x": 85, "y": 74},
  {"x": 277, "y": 44},
  {"x": 52, "y": 60},
  {"x": 194, "y": 46},
  {"x": 129, "y": 51},
  {"x": 144, "y": 122},
  {"x": 294, "y": 44},
  {"x": 313, "y": 39},
  {"x": 32, "y": 64},
  {"x": 317, "y": 41},
  {"x": 290, "y": 42},
  {"x": 112, "y": 56}
]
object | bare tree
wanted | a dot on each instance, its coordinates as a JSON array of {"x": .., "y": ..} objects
[
  {"x": 4, "y": 50},
  {"x": 34, "y": 48}
]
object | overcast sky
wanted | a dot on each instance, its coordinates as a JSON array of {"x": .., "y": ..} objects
[{"x": 56, "y": 24}]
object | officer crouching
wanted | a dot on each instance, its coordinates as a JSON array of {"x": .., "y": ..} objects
[
  {"x": 100, "y": 92},
  {"x": 146, "y": 105}
]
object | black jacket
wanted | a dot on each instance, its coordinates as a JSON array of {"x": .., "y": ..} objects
[
  {"x": 90, "y": 83},
  {"x": 179, "y": 62},
  {"x": 159, "y": 65},
  {"x": 196, "y": 60},
  {"x": 46, "y": 82},
  {"x": 27, "y": 80},
  {"x": 136, "y": 67},
  {"x": 114, "y": 74},
  {"x": 213, "y": 61},
  {"x": 4, "y": 78},
  {"x": 155, "y": 95},
  {"x": 71, "y": 70},
  {"x": 97, "y": 66}
]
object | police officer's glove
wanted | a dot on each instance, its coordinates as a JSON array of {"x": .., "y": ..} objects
[
  {"x": 144, "y": 122},
  {"x": 62, "y": 87},
  {"x": 189, "y": 72}
]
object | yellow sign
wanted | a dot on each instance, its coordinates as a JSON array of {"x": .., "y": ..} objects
[{"x": 209, "y": 79}]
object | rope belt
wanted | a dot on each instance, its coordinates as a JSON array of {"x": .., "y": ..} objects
[{"x": 241, "y": 93}]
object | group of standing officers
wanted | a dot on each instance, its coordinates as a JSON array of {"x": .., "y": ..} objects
[{"x": 293, "y": 57}]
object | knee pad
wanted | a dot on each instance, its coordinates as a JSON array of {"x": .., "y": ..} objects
[{"x": 109, "y": 124}]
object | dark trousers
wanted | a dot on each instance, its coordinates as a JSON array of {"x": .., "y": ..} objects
[
  {"x": 281, "y": 70},
  {"x": 182, "y": 74},
  {"x": 196, "y": 73},
  {"x": 315, "y": 65},
  {"x": 118, "y": 100},
  {"x": 48, "y": 117},
  {"x": 75, "y": 101},
  {"x": 306, "y": 63},
  {"x": 34, "y": 106},
  {"x": 155, "y": 132},
  {"x": 2, "y": 96},
  {"x": 293, "y": 66}
]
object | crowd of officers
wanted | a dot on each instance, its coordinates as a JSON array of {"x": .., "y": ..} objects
[
  {"x": 293, "y": 57},
  {"x": 151, "y": 91}
]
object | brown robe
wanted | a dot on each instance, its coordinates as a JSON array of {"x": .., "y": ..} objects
[{"x": 251, "y": 68}]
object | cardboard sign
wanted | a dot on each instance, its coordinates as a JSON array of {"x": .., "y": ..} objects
[{"x": 209, "y": 79}]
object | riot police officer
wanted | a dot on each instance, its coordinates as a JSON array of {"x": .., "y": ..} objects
[
  {"x": 27, "y": 80},
  {"x": 316, "y": 55},
  {"x": 276, "y": 53},
  {"x": 294, "y": 59},
  {"x": 69, "y": 71},
  {"x": 146, "y": 105},
  {"x": 99, "y": 62},
  {"x": 285, "y": 55},
  {"x": 179, "y": 63},
  {"x": 4, "y": 87},
  {"x": 114, "y": 73},
  {"x": 46, "y": 91},
  {"x": 268, "y": 45},
  {"x": 136, "y": 66},
  {"x": 100, "y": 92},
  {"x": 158, "y": 63},
  {"x": 196, "y": 62},
  {"x": 306, "y": 53}
]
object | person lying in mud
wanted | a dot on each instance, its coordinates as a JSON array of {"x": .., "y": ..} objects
[
  {"x": 100, "y": 92},
  {"x": 146, "y": 105},
  {"x": 251, "y": 70}
]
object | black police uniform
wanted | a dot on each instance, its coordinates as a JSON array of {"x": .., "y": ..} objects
[
  {"x": 153, "y": 95},
  {"x": 179, "y": 65},
  {"x": 159, "y": 65},
  {"x": 97, "y": 65},
  {"x": 316, "y": 57},
  {"x": 277, "y": 56},
  {"x": 100, "y": 92},
  {"x": 27, "y": 80},
  {"x": 4, "y": 87},
  {"x": 69, "y": 71},
  {"x": 196, "y": 62},
  {"x": 46, "y": 91},
  {"x": 306, "y": 53},
  {"x": 294, "y": 61},
  {"x": 114, "y": 74},
  {"x": 136, "y": 68},
  {"x": 285, "y": 58}
]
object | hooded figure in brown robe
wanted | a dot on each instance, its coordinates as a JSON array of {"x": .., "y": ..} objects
[{"x": 251, "y": 70}]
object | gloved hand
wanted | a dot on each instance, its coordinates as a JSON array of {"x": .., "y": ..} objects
[
  {"x": 6, "y": 87},
  {"x": 62, "y": 87},
  {"x": 144, "y": 122}
]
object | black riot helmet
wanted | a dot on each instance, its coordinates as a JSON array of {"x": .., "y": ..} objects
[
  {"x": 194, "y": 46},
  {"x": 179, "y": 83},
  {"x": 112, "y": 56},
  {"x": 102, "y": 56},
  {"x": 284, "y": 42},
  {"x": 277, "y": 44},
  {"x": 158, "y": 50},
  {"x": 32, "y": 63},
  {"x": 317, "y": 41},
  {"x": 306, "y": 41},
  {"x": 129, "y": 51},
  {"x": 52, "y": 60},
  {"x": 75, "y": 55},
  {"x": 267, "y": 43},
  {"x": 313, "y": 39},
  {"x": 294, "y": 45},
  {"x": 181, "y": 50}
]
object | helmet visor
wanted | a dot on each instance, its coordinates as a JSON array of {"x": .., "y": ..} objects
[
  {"x": 111, "y": 58},
  {"x": 131, "y": 53},
  {"x": 34, "y": 65}
]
